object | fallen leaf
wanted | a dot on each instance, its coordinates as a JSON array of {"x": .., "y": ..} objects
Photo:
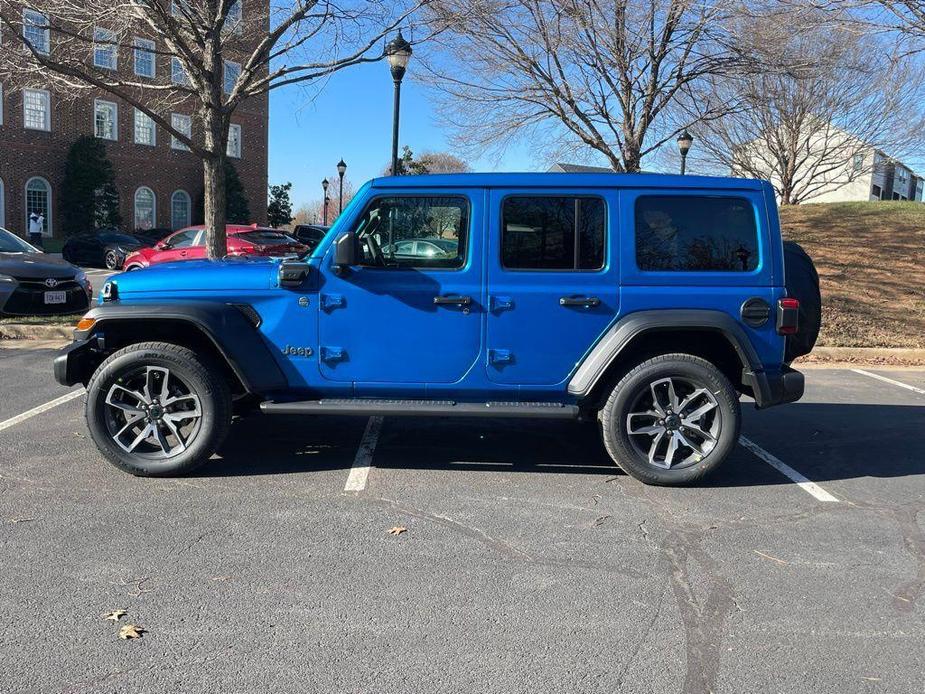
[
  {"x": 131, "y": 631},
  {"x": 115, "y": 615},
  {"x": 397, "y": 530},
  {"x": 599, "y": 521}
]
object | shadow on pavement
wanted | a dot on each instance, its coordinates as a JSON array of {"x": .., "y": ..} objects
[{"x": 822, "y": 441}]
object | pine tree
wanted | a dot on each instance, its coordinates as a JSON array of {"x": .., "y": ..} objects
[
  {"x": 89, "y": 197},
  {"x": 279, "y": 208},
  {"x": 237, "y": 207}
]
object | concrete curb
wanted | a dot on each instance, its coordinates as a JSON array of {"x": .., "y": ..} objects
[
  {"x": 28, "y": 331},
  {"x": 865, "y": 355}
]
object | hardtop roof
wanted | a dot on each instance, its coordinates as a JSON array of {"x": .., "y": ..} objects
[{"x": 567, "y": 180}]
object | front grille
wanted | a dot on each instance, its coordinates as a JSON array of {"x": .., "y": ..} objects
[
  {"x": 29, "y": 301},
  {"x": 39, "y": 283}
]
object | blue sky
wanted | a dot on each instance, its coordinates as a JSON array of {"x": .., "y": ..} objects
[{"x": 351, "y": 117}]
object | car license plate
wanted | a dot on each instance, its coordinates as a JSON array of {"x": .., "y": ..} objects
[{"x": 55, "y": 297}]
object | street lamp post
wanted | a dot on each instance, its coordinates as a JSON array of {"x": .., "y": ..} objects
[
  {"x": 324, "y": 187},
  {"x": 341, "y": 170},
  {"x": 685, "y": 140},
  {"x": 398, "y": 51}
]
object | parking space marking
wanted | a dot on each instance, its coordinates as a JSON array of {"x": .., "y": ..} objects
[
  {"x": 356, "y": 481},
  {"x": 920, "y": 391},
  {"x": 805, "y": 484},
  {"x": 13, "y": 421}
]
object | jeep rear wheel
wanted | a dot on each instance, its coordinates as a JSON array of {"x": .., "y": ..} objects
[
  {"x": 671, "y": 420},
  {"x": 157, "y": 409}
]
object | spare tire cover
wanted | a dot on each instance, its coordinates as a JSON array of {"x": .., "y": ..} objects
[{"x": 802, "y": 282}]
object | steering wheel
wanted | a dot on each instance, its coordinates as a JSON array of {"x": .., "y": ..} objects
[{"x": 372, "y": 250}]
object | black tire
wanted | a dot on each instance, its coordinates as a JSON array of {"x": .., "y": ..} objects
[
  {"x": 191, "y": 374},
  {"x": 722, "y": 422},
  {"x": 802, "y": 282},
  {"x": 111, "y": 260}
]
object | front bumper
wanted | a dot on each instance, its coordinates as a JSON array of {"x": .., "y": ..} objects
[
  {"x": 774, "y": 387},
  {"x": 72, "y": 362}
]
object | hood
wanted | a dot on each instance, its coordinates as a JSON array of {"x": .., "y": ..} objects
[
  {"x": 201, "y": 276},
  {"x": 35, "y": 265}
]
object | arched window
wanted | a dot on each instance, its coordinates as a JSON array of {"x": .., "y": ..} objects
[
  {"x": 145, "y": 208},
  {"x": 180, "y": 210},
  {"x": 38, "y": 200},
  {"x": 2, "y": 204}
]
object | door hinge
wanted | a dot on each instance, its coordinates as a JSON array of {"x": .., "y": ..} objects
[
  {"x": 333, "y": 354},
  {"x": 332, "y": 301},
  {"x": 500, "y": 356}
]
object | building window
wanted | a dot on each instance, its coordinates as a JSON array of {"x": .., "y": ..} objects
[
  {"x": 36, "y": 31},
  {"x": 232, "y": 73},
  {"x": 105, "y": 120},
  {"x": 233, "y": 21},
  {"x": 857, "y": 163},
  {"x": 876, "y": 191},
  {"x": 36, "y": 109},
  {"x": 901, "y": 175},
  {"x": 178, "y": 73},
  {"x": 104, "y": 49},
  {"x": 180, "y": 207},
  {"x": 234, "y": 141},
  {"x": 1, "y": 106},
  {"x": 38, "y": 200},
  {"x": 145, "y": 209},
  {"x": 182, "y": 124},
  {"x": 144, "y": 58},
  {"x": 145, "y": 132},
  {"x": 2, "y": 204}
]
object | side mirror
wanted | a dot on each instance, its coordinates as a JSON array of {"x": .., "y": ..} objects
[
  {"x": 345, "y": 250},
  {"x": 161, "y": 246}
]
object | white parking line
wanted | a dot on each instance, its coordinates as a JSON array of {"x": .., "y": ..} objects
[
  {"x": 356, "y": 481},
  {"x": 920, "y": 391},
  {"x": 782, "y": 467},
  {"x": 13, "y": 421}
]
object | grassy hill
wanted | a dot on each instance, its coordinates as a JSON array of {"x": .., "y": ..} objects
[{"x": 871, "y": 262}]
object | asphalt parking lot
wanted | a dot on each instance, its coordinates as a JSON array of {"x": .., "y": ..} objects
[{"x": 530, "y": 563}]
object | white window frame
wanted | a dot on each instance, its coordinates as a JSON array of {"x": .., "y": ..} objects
[
  {"x": 31, "y": 18},
  {"x": 46, "y": 100},
  {"x": 235, "y": 127},
  {"x": 153, "y": 207},
  {"x": 178, "y": 74},
  {"x": 228, "y": 88},
  {"x": 175, "y": 120},
  {"x": 144, "y": 46},
  {"x": 47, "y": 231},
  {"x": 114, "y": 109},
  {"x": 189, "y": 210},
  {"x": 104, "y": 42},
  {"x": 142, "y": 114}
]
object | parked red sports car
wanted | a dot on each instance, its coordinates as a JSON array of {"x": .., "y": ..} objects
[{"x": 189, "y": 244}]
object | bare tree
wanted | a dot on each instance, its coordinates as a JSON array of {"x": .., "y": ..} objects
[
  {"x": 312, "y": 212},
  {"x": 427, "y": 162},
  {"x": 218, "y": 58},
  {"x": 814, "y": 118},
  {"x": 608, "y": 74}
]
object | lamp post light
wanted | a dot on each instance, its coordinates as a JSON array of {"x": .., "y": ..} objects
[
  {"x": 324, "y": 187},
  {"x": 341, "y": 170},
  {"x": 685, "y": 140},
  {"x": 398, "y": 51}
]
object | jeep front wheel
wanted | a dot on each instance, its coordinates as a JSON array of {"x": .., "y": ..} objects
[
  {"x": 157, "y": 409},
  {"x": 671, "y": 420}
]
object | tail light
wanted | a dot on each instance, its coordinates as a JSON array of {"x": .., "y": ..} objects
[{"x": 788, "y": 316}]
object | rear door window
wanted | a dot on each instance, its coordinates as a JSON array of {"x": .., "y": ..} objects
[
  {"x": 688, "y": 233},
  {"x": 552, "y": 233}
]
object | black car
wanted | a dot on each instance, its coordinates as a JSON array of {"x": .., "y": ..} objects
[
  {"x": 104, "y": 248},
  {"x": 32, "y": 283},
  {"x": 309, "y": 234}
]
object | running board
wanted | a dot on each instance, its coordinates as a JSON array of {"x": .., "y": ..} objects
[{"x": 421, "y": 408}]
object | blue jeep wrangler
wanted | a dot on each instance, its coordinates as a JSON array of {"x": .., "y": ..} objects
[{"x": 646, "y": 302}]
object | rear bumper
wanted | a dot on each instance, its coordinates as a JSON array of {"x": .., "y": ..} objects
[{"x": 774, "y": 387}]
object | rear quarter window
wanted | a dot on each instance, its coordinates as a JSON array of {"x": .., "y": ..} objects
[{"x": 687, "y": 233}]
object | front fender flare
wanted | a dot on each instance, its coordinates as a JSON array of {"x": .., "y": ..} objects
[{"x": 624, "y": 331}]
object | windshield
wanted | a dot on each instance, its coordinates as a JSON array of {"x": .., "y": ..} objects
[{"x": 10, "y": 243}]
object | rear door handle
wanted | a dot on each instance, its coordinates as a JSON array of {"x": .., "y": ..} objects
[
  {"x": 453, "y": 300},
  {"x": 586, "y": 301}
]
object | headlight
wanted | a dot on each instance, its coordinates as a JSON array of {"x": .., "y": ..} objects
[{"x": 80, "y": 277}]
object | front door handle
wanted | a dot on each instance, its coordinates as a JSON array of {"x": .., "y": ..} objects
[
  {"x": 586, "y": 301},
  {"x": 453, "y": 300}
]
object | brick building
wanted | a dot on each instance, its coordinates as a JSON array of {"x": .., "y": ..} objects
[{"x": 159, "y": 182}]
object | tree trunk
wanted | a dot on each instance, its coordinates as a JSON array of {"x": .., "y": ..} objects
[{"x": 214, "y": 182}]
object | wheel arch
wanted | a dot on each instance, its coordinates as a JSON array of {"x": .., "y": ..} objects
[{"x": 712, "y": 335}]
